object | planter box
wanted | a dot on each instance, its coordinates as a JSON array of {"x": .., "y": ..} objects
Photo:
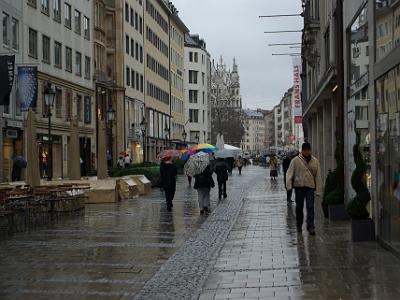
[
  {"x": 337, "y": 212},
  {"x": 362, "y": 230},
  {"x": 325, "y": 210}
]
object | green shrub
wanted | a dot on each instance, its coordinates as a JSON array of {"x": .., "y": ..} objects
[
  {"x": 333, "y": 193},
  {"x": 357, "y": 208},
  {"x": 149, "y": 172}
]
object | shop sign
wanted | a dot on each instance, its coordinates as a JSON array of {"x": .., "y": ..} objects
[
  {"x": 297, "y": 111},
  {"x": 15, "y": 124},
  {"x": 87, "y": 110},
  {"x": 12, "y": 133}
]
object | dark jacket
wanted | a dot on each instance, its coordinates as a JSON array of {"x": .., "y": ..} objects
[
  {"x": 204, "y": 180},
  {"x": 286, "y": 163},
  {"x": 221, "y": 169},
  {"x": 168, "y": 173}
]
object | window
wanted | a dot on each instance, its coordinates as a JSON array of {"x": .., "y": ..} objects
[
  {"x": 193, "y": 96},
  {"x": 68, "y": 59},
  {"x": 202, "y": 77},
  {"x": 6, "y": 20},
  {"x": 68, "y": 105},
  {"x": 32, "y": 3},
  {"x": 126, "y": 44},
  {"x": 204, "y": 97},
  {"x": 44, "y": 7},
  {"x": 67, "y": 15},
  {"x": 77, "y": 21},
  {"x": 79, "y": 107},
  {"x": 15, "y": 33},
  {"x": 46, "y": 49},
  {"x": 87, "y": 67},
  {"x": 126, "y": 12},
  {"x": 128, "y": 76},
  {"x": 137, "y": 81},
  {"x": 86, "y": 28},
  {"x": 136, "y": 21},
  {"x": 132, "y": 18},
  {"x": 137, "y": 51},
  {"x": 191, "y": 56},
  {"x": 57, "y": 54},
  {"x": 132, "y": 48},
  {"x": 140, "y": 25},
  {"x": 193, "y": 115},
  {"x": 141, "y": 54},
  {"x": 33, "y": 46},
  {"x": 57, "y": 10},
  {"x": 193, "y": 76},
  {"x": 196, "y": 57},
  {"x": 133, "y": 78},
  {"x": 78, "y": 64},
  {"x": 141, "y": 83},
  {"x": 202, "y": 59}
]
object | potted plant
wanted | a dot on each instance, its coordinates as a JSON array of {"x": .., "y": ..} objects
[
  {"x": 362, "y": 226},
  {"x": 333, "y": 194}
]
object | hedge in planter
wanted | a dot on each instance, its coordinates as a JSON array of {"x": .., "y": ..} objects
[
  {"x": 333, "y": 193},
  {"x": 362, "y": 225}
]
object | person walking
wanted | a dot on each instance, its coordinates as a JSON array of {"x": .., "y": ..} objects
[
  {"x": 127, "y": 161},
  {"x": 19, "y": 163},
  {"x": 239, "y": 164},
  {"x": 203, "y": 183},
  {"x": 221, "y": 169},
  {"x": 285, "y": 166},
  {"x": 273, "y": 166},
  {"x": 168, "y": 173},
  {"x": 304, "y": 175}
]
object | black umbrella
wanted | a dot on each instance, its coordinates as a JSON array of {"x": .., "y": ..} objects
[{"x": 19, "y": 161}]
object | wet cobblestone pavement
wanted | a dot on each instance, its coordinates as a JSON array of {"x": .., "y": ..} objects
[{"x": 248, "y": 248}]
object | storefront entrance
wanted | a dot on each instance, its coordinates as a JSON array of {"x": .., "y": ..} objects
[
  {"x": 12, "y": 145},
  {"x": 43, "y": 156}
]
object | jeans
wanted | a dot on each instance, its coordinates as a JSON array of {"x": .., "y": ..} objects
[
  {"x": 222, "y": 189},
  {"x": 307, "y": 194},
  {"x": 204, "y": 197},
  {"x": 169, "y": 196}
]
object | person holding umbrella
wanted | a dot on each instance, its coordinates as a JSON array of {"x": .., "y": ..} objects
[
  {"x": 19, "y": 163},
  {"x": 221, "y": 169},
  {"x": 198, "y": 166},
  {"x": 168, "y": 173}
]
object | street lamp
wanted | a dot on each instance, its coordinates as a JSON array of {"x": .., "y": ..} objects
[
  {"x": 166, "y": 133},
  {"x": 184, "y": 135},
  {"x": 49, "y": 97},
  {"x": 143, "y": 126},
  {"x": 111, "y": 119}
]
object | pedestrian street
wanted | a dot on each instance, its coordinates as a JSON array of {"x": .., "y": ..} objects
[{"x": 246, "y": 248}]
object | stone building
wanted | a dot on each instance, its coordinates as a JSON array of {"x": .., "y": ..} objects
[
  {"x": 58, "y": 39},
  {"x": 11, "y": 118},
  {"x": 197, "y": 89},
  {"x": 254, "y": 138}
]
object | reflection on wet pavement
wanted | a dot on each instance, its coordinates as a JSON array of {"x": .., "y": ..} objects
[
  {"x": 265, "y": 258},
  {"x": 108, "y": 253}
]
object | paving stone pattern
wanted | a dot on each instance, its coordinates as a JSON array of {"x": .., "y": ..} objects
[
  {"x": 109, "y": 252},
  {"x": 183, "y": 275},
  {"x": 265, "y": 258}
]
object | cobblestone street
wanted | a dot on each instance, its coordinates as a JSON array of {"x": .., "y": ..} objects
[{"x": 248, "y": 248}]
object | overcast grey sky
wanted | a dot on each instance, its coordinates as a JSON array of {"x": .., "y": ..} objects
[{"x": 232, "y": 28}]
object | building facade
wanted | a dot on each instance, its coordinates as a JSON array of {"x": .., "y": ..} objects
[
  {"x": 269, "y": 128},
  {"x": 197, "y": 90},
  {"x": 178, "y": 102},
  {"x": 11, "y": 117},
  {"x": 58, "y": 39},
  {"x": 134, "y": 78},
  {"x": 254, "y": 137}
]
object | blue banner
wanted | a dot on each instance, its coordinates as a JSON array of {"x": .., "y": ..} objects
[{"x": 27, "y": 87}]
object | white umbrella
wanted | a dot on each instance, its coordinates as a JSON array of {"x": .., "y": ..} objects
[
  {"x": 196, "y": 164},
  {"x": 224, "y": 153}
]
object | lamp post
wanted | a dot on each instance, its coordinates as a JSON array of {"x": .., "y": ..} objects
[
  {"x": 49, "y": 97},
  {"x": 111, "y": 119},
  {"x": 166, "y": 133},
  {"x": 143, "y": 126},
  {"x": 184, "y": 135}
]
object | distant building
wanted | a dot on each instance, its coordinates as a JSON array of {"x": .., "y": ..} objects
[
  {"x": 269, "y": 128},
  {"x": 197, "y": 90},
  {"x": 254, "y": 137}
]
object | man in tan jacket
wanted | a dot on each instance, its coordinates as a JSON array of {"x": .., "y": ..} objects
[{"x": 304, "y": 175}]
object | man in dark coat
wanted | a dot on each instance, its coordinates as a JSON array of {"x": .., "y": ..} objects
[
  {"x": 221, "y": 169},
  {"x": 203, "y": 184},
  {"x": 19, "y": 163},
  {"x": 168, "y": 173}
]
